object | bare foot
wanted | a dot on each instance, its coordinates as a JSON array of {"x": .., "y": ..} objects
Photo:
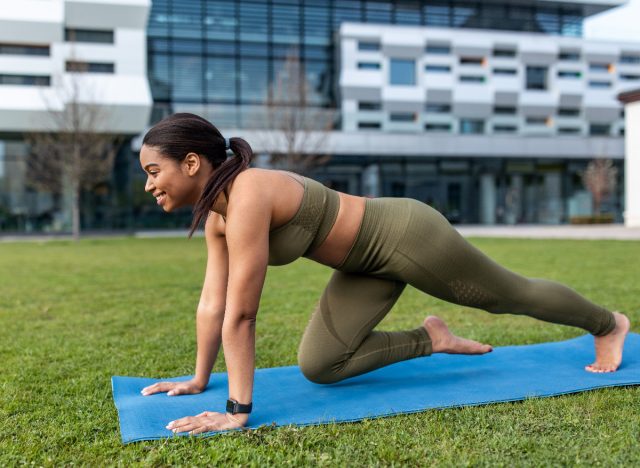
[
  {"x": 443, "y": 341},
  {"x": 609, "y": 347}
]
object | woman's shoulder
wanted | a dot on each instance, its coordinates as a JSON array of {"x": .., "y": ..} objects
[{"x": 266, "y": 178}]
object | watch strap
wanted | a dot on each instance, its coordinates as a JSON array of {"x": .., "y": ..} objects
[{"x": 234, "y": 407}]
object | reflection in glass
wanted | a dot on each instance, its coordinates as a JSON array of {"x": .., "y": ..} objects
[
  {"x": 187, "y": 78},
  {"x": 402, "y": 72}
]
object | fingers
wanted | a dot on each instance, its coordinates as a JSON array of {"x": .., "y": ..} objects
[
  {"x": 188, "y": 424},
  {"x": 201, "y": 429},
  {"x": 157, "y": 388},
  {"x": 204, "y": 422}
]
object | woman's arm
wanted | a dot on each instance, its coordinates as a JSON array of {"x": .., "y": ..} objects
[
  {"x": 209, "y": 315},
  {"x": 247, "y": 238},
  {"x": 247, "y": 230},
  {"x": 211, "y": 307}
]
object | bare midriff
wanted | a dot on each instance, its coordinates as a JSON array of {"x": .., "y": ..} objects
[{"x": 342, "y": 235}]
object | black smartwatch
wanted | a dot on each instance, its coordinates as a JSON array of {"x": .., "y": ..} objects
[{"x": 234, "y": 407}]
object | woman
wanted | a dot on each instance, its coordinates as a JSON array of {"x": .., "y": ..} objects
[{"x": 255, "y": 217}]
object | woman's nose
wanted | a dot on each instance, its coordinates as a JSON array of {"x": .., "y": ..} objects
[{"x": 148, "y": 186}]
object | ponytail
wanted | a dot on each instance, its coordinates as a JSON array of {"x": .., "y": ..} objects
[{"x": 221, "y": 179}]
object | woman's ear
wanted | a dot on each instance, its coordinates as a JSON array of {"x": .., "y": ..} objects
[{"x": 192, "y": 163}]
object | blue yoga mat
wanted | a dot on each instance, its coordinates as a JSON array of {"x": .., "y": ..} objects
[{"x": 283, "y": 396}]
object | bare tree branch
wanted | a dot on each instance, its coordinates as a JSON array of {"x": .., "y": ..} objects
[
  {"x": 600, "y": 179},
  {"x": 77, "y": 152},
  {"x": 297, "y": 130}
]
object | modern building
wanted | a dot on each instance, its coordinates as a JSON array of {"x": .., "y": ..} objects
[
  {"x": 55, "y": 54},
  {"x": 505, "y": 122},
  {"x": 487, "y": 110}
]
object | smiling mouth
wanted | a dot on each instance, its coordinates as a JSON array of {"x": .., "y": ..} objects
[{"x": 161, "y": 198}]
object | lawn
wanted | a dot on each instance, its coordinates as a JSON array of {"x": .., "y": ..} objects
[{"x": 73, "y": 315}]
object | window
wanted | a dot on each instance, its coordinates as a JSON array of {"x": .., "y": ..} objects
[
  {"x": 536, "y": 121},
  {"x": 471, "y": 126},
  {"x": 368, "y": 66},
  {"x": 369, "y": 106},
  {"x": 504, "y": 53},
  {"x": 437, "y": 68},
  {"x": 402, "y": 117},
  {"x": 568, "y": 112},
  {"x": 368, "y": 125},
  {"x": 285, "y": 19},
  {"x": 537, "y": 78},
  {"x": 375, "y": 12},
  {"x": 437, "y": 127},
  {"x": 437, "y": 13},
  {"x": 247, "y": 49},
  {"x": 89, "y": 67},
  {"x": 435, "y": 108},
  {"x": 505, "y": 129},
  {"x": 569, "y": 56},
  {"x": 254, "y": 80},
  {"x": 15, "y": 49},
  {"x": 25, "y": 80},
  {"x": 569, "y": 130},
  {"x": 599, "y": 67},
  {"x": 632, "y": 59},
  {"x": 368, "y": 46},
  {"x": 627, "y": 77},
  {"x": 88, "y": 35},
  {"x": 471, "y": 79},
  {"x": 569, "y": 74},
  {"x": 599, "y": 84},
  {"x": 220, "y": 78},
  {"x": 403, "y": 72},
  {"x": 599, "y": 129},
  {"x": 505, "y": 71},
  {"x": 471, "y": 61},
  {"x": 439, "y": 49},
  {"x": 504, "y": 110}
]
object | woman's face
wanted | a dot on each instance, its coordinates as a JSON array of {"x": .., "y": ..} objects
[{"x": 171, "y": 183}]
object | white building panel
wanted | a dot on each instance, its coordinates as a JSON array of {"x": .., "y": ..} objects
[
  {"x": 544, "y": 77},
  {"x": 122, "y": 92},
  {"x": 31, "y": 21},
  {"x": 106, "y": 14}
]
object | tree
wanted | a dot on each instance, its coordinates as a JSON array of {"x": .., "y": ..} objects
[
  {"x": 600, "y": 179},
  {"x": 76, "y": 152},
  {"x": 297, "y": 129}
]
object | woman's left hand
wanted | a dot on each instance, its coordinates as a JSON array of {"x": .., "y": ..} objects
[{"x": 207, "y": 421}]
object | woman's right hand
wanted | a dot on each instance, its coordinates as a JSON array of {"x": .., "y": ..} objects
[{"x": 173, "y": 388}]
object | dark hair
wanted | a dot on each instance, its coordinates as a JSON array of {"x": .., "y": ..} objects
[{"x": 179, "y": 134}]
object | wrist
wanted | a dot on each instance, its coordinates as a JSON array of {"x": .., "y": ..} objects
[
  {"x": 238, "y": 418},
  {"x": 200, "y": 383}
]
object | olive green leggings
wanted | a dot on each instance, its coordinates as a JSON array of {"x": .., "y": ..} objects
[{"x": 404, "y": 241}]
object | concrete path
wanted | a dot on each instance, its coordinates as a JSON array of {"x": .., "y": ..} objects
[
  {"x": 541, "y": 231},
  {"x": 531, "y": 231}
]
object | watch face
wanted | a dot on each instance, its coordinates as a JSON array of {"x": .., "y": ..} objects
[{"x": 234, "y": 407}]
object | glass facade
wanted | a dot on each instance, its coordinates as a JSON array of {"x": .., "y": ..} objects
[
  {"x": 223, "y": 56},
  {"x": 228, "y": 52}
]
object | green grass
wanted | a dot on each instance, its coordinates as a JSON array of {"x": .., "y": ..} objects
[{"x": 73, "y": 315}]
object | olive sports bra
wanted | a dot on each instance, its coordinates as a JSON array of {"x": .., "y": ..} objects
[{"x": 308, "y": 228}]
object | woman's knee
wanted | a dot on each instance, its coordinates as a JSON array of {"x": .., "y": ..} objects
[{"x": 319, "y": 369}]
